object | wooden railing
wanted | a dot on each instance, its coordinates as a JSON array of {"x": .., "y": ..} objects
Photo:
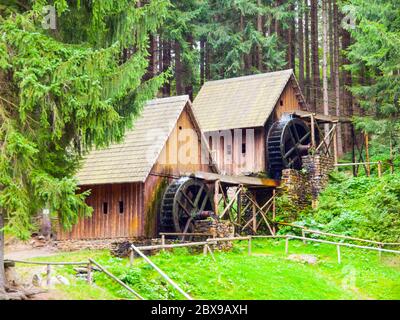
[{"x": 89, "y": 278}]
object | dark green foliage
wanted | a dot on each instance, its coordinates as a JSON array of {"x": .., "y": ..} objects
[
  {"x": 231, "y": 31},
  {"x": 58, "y": 100},
  {"x": 364, "y": 207}
]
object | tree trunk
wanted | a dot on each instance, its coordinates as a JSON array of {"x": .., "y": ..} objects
[
  {"x": 259, "y": 49},
  {"x": 202, "y": 61},
  {"x": 300, "y": 33},
  {"x": 337, "y": 78},
  {"x": 292, "y": 37},
  {"x": 307, "y": 50},
  {"x": 2, "y": 274},
  {"x": 325, "y": 60},
  {"x": 347, "y": 83},
  {"x": 331, "y": 50},
  {"x": 314, "y": 55},
  {"x": 178, "y": 69},
  {"x": 166, "y": 65},
  {"x": 151, "y": 69}
]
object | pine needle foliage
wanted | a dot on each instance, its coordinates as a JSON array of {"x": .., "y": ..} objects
[{"x": 63, "y": 92}]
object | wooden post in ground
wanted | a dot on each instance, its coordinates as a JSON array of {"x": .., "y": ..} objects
[
  {"x": 380, "y": 169},
  {"x": 131, "y": 257},
  {"x": 163, "y": 241},
  {"x": 274, "y": 211},
  {"x": 249, "y": 247},
  {"x": 303, "y": 234},
  {"x": 48, "y": 275},
  {"x": 338, "y": 255},
  {"x": 287, "y": 246},
  {"x": 89, "y": 273},
  {"x": 205, "y": 250}
]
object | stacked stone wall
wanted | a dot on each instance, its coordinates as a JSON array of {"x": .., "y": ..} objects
[{"x": 303, "y": 187}]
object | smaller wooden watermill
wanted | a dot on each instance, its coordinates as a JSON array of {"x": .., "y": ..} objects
[{"x": 185, "y": 201}]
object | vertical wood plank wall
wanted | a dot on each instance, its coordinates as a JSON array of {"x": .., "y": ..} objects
[
  {"x": 113, "y": 224},
  {"x": 290, "y": 102},
  {"x": 239, "y": 163}
]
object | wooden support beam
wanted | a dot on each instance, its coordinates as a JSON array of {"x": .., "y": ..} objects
[
  {"x": 216, "y": 196},
  {"x": 313, "y": 141}
]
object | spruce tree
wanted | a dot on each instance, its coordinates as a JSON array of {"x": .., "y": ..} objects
[{"x": 64, "y": 91}]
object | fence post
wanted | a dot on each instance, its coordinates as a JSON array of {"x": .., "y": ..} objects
[
  {"x": 205, "y": 250},
  {"x": 303, "y": 234},
  {"x": 287, "y": 245},
  {"x": 48, "y": 275},
  {"x": 163, "y": 241},
  {"x": 249, "y": 246},
  {"x": 380, "y": 252},
  {"x": 131, "y": 257},
  {"x": 380, "y": 169},
  {"x": 89, "y": 273},
  {"x": 338, "y": 254}
]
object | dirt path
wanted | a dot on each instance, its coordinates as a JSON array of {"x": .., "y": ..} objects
[{"x": 29, "y": 253}]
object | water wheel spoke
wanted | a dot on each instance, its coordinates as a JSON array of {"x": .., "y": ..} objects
[
  {"x": 287, "y": 154},
  {"x": 188, "y": 198},
  {"x": 304, "y": 139},
  {"x": 296, "y": 133},
  {"x": 203, "y": 204},
  {"x": 184, "y": 208},
  {"x": 198, "y": 196}
]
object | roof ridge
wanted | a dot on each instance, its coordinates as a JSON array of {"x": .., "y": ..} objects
[
  {"x": 168, "y": 99},
  {"x": 250, "y": 77}
]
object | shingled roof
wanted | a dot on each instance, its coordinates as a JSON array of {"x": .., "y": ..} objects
[
  {"x": 242, "y": 102},
  {"x": 133, "y": 159}
]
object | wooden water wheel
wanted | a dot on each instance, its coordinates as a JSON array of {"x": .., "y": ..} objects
[
  {"x": 288, "y": 140},
  {"x": 185, "y": 201}
]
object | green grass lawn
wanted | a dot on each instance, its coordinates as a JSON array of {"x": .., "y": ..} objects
[{"x": 267, "y": 274}]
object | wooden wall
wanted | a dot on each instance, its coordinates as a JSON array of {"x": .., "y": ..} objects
[
  {"x": 113, "y": 224},
  {"x": 287, "y": 102},
  {"x": 229, "y": 155},
  {"x": 182, "y": 151}
]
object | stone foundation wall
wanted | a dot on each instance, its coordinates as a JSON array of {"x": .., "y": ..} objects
[
  {"x": 318, "y": 168},
  {"x": 297, "y": 186},
  {"x": 219, "y": 229},
  {"x": 302, "y": 187},
  {"x": 101, "y": 244}
]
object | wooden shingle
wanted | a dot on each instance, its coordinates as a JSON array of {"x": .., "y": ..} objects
[{"x": 242, "y": 102}]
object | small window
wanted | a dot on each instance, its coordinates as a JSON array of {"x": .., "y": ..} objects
[
  {"x": 243, "y": 148},
  {"x": 281, "y": 102},
  {"x": 105, "y": 207},
  {"x": 121, "y": 207}
]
